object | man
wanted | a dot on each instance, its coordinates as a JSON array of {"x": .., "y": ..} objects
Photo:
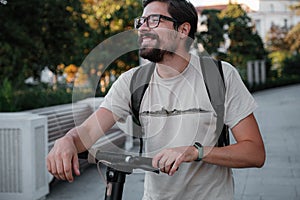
[{"x": 175, "y": 114}]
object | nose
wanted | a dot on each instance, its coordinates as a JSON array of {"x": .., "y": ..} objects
[{"x": 144, "y": 27}]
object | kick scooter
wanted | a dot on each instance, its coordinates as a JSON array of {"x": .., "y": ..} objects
[{"x": 118, "y": 166}]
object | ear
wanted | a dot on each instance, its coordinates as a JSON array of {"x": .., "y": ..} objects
[{"x": 184, "y": 30}]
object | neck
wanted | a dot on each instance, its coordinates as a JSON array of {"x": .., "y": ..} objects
[{"x": 173, "y": 65}]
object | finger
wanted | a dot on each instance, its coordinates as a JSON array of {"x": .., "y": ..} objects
[
  {"x": 67, "y": 169},
  {"x": 75, "y": 164},
  {"x": 162, "y": 163},
  {"x": 156, "y": 159},
  {"x": 175, "y": 166},
  {"x": 48, "y": 164},
  {"x": 53, "y": 169},
  {"x": 168, "y": 166},
  {"x": 60, "y": 169}
]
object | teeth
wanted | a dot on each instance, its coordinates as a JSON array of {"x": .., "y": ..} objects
[{"x": 147, "y": 39}]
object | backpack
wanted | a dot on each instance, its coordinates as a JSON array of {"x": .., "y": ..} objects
[{"x": 215, "y": 86}]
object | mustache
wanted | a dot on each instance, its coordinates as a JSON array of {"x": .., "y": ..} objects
[{"x": 150, "y": 35}]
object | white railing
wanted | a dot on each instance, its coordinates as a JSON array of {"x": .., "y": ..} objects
[
  {"x": 23, "y": 148},
  {"x": 27, "y": 137}
]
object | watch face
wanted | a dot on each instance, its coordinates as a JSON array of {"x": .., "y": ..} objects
[{"x": 198, "y": 144}]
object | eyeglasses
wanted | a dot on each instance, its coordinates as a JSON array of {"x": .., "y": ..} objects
[{"x": 152, "y": 21}]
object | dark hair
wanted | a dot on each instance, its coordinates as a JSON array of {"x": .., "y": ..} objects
[{"x": 182, "y": 11}]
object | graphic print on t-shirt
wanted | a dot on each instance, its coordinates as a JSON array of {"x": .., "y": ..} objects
[{"x": 165, "y": 112}]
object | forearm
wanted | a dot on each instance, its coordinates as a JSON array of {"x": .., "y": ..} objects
[
  {"x": 82, "y": 142},
  {"x": 240, "y": 155},
  {"x": 85, "y": 135}
]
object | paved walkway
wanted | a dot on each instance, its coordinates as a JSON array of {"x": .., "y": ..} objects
[{"x": 279, "y": 119}]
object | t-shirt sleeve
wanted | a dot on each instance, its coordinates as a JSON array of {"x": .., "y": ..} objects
[
  {"x": 117, "y": 99},
  {"x": 239, "y": 103}
]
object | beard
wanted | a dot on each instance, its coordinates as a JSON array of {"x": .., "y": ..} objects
[{"x": 153, "y": 53}]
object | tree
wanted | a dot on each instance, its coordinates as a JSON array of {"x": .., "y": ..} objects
[
  {"x": 35, "y": 34},
  {"x": 275, "y": 40},
  {"x": 293, "y": 36},
  {"x": 291, "y": 66},
  {"x": 245, "y": 43},
  {"x": 211, "y": 38},
  {"x": 107, "y": 18},
  {"x": 110, "y": 17}
]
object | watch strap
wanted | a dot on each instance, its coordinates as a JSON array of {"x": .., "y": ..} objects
[{"x": 199, "y": 147}]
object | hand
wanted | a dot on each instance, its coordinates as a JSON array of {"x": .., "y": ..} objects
[
  {"x": 168, "y": 160},
  {"x": 62, "y": 158}
]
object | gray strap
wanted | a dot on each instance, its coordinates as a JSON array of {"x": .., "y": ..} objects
[
  {"x": 216, "y": 89},
  {"x": 138, "y": 86}
]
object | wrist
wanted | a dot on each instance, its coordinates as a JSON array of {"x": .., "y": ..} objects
[{"x": 199, "y": 150}]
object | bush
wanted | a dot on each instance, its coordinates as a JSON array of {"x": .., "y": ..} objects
[
  {"x": 6, "y": 96},
  {"x": 291, "y": 65},
  {"x": 38, "y": 97},
  {"x": 32, "y": 97},
  {"x": 273, "y": 83}
]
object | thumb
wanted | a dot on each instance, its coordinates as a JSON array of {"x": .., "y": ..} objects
[{"x": 75, "y": 164}]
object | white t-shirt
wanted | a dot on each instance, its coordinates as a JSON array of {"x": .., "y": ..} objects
[{"x": 177, "y": 112}]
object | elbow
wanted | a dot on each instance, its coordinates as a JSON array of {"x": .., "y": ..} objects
[
  {"x": 260, "y": 164},
  {"x": 260, "y": 160}
]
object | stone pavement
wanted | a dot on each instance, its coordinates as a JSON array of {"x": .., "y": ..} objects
[{"x": 279, "y": 118}]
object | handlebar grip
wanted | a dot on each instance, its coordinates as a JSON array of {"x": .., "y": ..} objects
[
  {"x": 112, "y": 157},
  {"x": 143, "y": 163},
  {"x": 121, "y": 160}
]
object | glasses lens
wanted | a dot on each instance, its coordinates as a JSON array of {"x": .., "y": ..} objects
[
  {"x": 153, "y": 21},
  {"x": 137, "y": 23}
]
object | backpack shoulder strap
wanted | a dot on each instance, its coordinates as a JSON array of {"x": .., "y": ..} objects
[
  {"x": 138, "y": 86},
  {"x": 214, "y": 81}
]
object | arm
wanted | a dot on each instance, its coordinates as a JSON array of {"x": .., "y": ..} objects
[
  {"x": 63, "y": 156},
  {"x": 247, "y": 152}
]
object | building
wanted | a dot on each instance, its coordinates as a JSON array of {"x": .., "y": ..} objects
[
  {"x": 269, "y": 13},
  {"x": 274, "y": 12}
]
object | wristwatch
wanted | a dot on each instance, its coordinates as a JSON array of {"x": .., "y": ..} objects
[{"x": 199, "y": 147}]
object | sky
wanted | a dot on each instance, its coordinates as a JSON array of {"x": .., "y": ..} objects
[{"x": 253, "y": 4}]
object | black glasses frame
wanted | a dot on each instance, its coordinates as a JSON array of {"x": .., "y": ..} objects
[{"x": 139, "y": 21}]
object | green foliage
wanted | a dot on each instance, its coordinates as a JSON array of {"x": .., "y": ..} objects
[
  {"x": 293, "y": 38},
  {"x": 6, "y": 96},
  {"x": 110, "y": 17},
  {"x": 275, "y": 82},
  {"x": 32, "y": 97},
  {"x": 245, "y": 44},
  {"x": 282, "y": 43},
  {"x": 214, "y": 36},
  {"x": 275, "y": 39},
  {"x": 277, "y": 58},
  {"x": 38, "y": 97},
  {"x": 107, "y": 18},
  {"x": 35, "y": 34},
  {"x": 234, "y": 14},
  {"x": 291, "y": 65}
]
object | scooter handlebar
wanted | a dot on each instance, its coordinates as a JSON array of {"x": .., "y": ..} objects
[{"x": 120, "y": 161}]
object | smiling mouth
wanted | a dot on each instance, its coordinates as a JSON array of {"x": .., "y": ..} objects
[{"x": 146, "y": 38}]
